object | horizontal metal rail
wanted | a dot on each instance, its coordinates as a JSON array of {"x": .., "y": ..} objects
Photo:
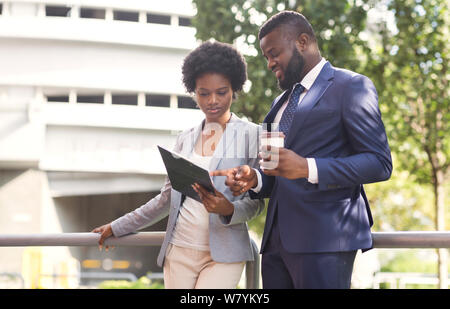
[
  {"x": 91, "y": 239},
  {"x": 380, "y": 239},
  {"x": 80, "y": 239},
  {"x": 411, "y": 239}
]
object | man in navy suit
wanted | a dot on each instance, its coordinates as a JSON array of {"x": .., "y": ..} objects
[{"x": 318, "y": 214}]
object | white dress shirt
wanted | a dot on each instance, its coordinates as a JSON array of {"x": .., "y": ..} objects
[{"x": 306, "y": 82}]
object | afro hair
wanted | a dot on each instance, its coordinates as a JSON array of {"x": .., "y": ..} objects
[{"x": 214, "y": 57}]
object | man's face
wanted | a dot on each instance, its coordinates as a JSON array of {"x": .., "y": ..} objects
[{"x": 283, "y": 58}]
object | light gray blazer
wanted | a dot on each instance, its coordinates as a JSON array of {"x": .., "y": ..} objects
[{"x": 229, "y": 240}]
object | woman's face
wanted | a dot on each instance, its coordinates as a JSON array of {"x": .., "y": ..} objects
[{"x": 214, "y": 96}]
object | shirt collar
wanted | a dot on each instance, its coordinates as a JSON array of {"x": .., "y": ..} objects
[{"x": 310, "y": 78}]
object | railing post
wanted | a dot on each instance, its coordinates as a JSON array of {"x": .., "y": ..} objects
[{"x": 252, "y": 269}]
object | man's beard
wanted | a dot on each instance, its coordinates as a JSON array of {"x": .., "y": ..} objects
[{"x": 293, "y": 71}]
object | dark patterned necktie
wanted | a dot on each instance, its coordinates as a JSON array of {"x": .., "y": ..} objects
[{"x": 288, "y": 114}]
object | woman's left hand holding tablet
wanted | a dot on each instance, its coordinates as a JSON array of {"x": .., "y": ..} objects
[{"x": 214, "y": 203}]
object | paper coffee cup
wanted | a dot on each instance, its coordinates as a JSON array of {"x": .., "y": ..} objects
[{"x": 274, "y": 139}]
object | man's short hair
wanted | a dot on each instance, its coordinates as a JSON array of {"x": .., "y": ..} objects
[{"x": 296, "y": 22}]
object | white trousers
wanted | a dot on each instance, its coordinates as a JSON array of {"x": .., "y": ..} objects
[{"x": 186, "y": 268}]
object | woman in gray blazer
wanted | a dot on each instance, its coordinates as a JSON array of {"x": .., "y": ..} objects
[{"x": 206, "y": 244}]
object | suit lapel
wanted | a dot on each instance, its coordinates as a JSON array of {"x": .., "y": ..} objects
[
  {"x": 311, "y": 98},
  {"x": 190, "y": 140},
  {"x": 225, "y": 142}
]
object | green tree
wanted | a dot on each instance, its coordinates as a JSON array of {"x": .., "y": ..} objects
[
  {"x": 337, "y": 25},
  {"x": 401, "y": 204},
  {"x": 411, "y": 71}
]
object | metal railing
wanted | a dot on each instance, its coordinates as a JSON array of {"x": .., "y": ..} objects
[
  {"x": 400, "y": 280},
  {"x": 91, "y": 239},
  {"x": 408, "y": 239},
  {"x": 411, "y": 239}
]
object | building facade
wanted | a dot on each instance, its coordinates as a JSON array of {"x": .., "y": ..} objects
[{"x": 88, "y": 88}]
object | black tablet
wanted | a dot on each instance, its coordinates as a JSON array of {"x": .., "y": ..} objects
[{"x": 183, "y": 174}]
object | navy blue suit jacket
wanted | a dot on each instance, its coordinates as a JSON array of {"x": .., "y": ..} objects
[{"x": 338, "y": 123}]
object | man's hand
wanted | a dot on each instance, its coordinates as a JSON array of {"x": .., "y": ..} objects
[
  {"x": 239, "y": 179},
  {"x": 286, "y": 163},
  {"x": 214, "y": 203}
]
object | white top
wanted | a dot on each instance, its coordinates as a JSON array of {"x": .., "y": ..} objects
[
  {"x": 306, "y": 82},
  {"x": 192, "y": 227}
]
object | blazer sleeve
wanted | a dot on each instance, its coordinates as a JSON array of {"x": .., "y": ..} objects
[
  {"x": 267, "y": 186},
  {"x": 153, "y": 211},
  {"x": 370, "y": 160},
  {"x": 246, "y": 208}
]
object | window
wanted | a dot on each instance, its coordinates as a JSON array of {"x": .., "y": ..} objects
[
  {"x": 158, "y": 19},
  {"x": 126, "y": 16},
  {"x": 186, "y": 102},
  {"x": 124, "y": 99},
  {"x": 58, "y": 98},
  {"x": 184, "y": 21},
  {"x": 92, "y": 13},
  {"x": 157, "y": 100},
  {"x": 61, "y": 11},
  {"x": 90, "y": 99}
]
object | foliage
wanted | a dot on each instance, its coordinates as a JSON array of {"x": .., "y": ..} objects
[
  {"x": 257, "y": 224},
  {"x": 416, "y": 92},
  {"x": 415, "y": 86},
  {"x": 400, "y": 205},
  {"x": 141, "y": 283},
  {"x": 337, "y": 24},
  {"x": 410, "y": 261},
  {"x": 421, "y": 261}
]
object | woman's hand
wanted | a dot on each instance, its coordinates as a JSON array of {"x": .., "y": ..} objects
[
  {"x": 239, "y": 179},
  {"x": 217, "y": 203},
  {"x": 105, "y": 231}
]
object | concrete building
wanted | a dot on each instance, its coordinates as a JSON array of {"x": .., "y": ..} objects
[{"x": 88, "y": 88}]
